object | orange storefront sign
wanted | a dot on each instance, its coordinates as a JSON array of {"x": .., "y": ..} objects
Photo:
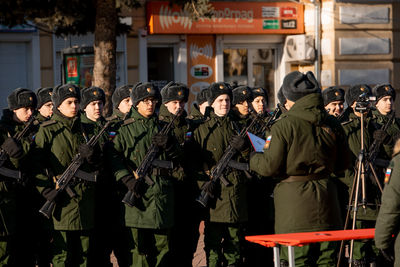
[
  {"x": 228, "y": 18},
  {"x": 201, "y": 63}
]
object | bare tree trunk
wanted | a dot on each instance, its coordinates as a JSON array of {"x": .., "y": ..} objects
[{"x": 105, "y": 42}]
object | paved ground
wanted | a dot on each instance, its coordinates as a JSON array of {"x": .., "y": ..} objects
[{"x": 199, "y": 257}]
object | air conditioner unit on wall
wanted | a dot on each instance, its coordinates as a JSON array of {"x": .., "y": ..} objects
[{"x": 299, "y": 48}]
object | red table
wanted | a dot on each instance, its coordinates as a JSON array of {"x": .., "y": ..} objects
[{"x": 301, "y": 239}]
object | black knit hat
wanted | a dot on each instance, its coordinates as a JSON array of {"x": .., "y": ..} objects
[
  {"x": 142, "y": 91},
  {"x": 60, "y": 93},
  {"x": 90, "y": 94},
  {"x": 121, "y": 93},
  {"x": 382, "y": 90},
  {"x": 353, "y": 93},
  {"x": 21, "y": 98},
  {"x": 240, "y": 94},
  {"x": 281, "y": 97},
  {"x": 333, "y": 93},
  {"x": 259, "y": 91},
  {"x": 43, "y": 96},
  {"x": 297, "y": 85},
  {"x": 217, "y": 89},
  {"x": 174, "y": 91},
  {"x": 201, "y": 97}
]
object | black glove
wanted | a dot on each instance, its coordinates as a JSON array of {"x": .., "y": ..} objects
[
  {"x": 87, "y": 152},
  {"x": 211, "y": 188},
  {"x": 49, "y": 193},
  {"x": 12, "y": 148},
  {"x": 387, "y": 254},
  {"x": 160, "y": 140},
  {"x": 138, "y": 187},
  {"x": 238, "y": 143},
  {"x": 380, "y": 135}
]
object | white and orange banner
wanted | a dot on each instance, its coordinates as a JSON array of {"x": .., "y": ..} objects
[
  {"x": 228, "y": 18},
  {"x": 201, "y": 63}
]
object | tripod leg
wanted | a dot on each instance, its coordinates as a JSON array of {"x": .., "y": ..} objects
[
  {"x": 347, "y": 219},
  {"x": 376, "y": 177}
]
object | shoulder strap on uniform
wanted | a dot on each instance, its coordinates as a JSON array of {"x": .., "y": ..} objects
[
  {"x": 47, "y": 123},
  {"x": 347, "y": 122},
  {"x": 128, "y": 121}
]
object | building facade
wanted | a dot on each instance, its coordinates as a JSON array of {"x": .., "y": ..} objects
[{"x": 246, "y": 43}]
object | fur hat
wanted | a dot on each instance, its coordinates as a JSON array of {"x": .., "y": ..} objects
[
  {"x": 240, "y": 94},
  {"x": 217, "y": 89},
  {"x": 120, "y": 94},
  {"x": 174, "y": 91},
  {"x": 62, "y": 92},
  {"x": 21, "y": 98},
  {"x": 142, "y": 91},
  {"x": 382, "y": 90},
  {"x": 90, "y": 94},
  {"x": 259, "y": 91},
  {"x": 355, "y": 91},
  {"x": 201, "y": 97},
  {"x": 281, "y": 97},
  {"x": 333, "y": 93},
  {"x": 297, "y": 85},
  {"x": 43, "y": 96}
]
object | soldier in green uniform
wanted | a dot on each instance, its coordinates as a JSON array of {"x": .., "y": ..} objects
[
  {"x": 333, "y": 100},
  {"x": 223, "y": 227},
  {"x": 185, "y": 232},
  {"x": 198, "y": 110},
  {"x": 122, "y": 102},
  {"x": 45, "y": 106},
  {"x": 149, "y": 221},
  {"x": 21, "y": 105},
  {"x": 364, "y": 251},
  {"x": 57, "y": 142},
  {"x": 385, "y": 97},
  {"x": 388, "y": 221},
  {"x": 303, "y": 148}
]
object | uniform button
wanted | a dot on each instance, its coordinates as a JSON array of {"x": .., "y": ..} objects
[{"x": 215, "y": 149}]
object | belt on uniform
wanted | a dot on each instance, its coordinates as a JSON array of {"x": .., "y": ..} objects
[{"x": 304, "y": 178}]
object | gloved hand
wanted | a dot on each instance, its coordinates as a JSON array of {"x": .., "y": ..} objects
[
  {"x": 138, "y": 187},
  {"x": 87, "y": 152},
  {"x": 12, "y": 148},
  {"x": 49, "y": 193},
  {"x": 160, "y": 140},
  {"x": 211, "y": 188},
  {"x": 380, "y": 135},
  {"x": 238, "y": 143},
  {"x": 387, "y": 254}
]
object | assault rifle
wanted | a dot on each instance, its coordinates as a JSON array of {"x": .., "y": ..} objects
[
  {"x": 71, "y": 172},
  {"x": 148, "y": 161},
  {"x": 15, "y": 174},
  {"x": 216, "y": 173},
  {"x": 374, "y": 151}
]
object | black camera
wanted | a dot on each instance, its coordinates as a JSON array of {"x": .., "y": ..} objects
[{"x": 363, "y": 102}]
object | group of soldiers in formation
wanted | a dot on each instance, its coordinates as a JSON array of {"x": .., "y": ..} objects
[{"x": 140, "y": 182}]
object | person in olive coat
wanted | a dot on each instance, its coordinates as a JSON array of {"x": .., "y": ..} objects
[
  {"x": 21, "y": 105},
  {"x": 121, "y": 100},
  {"x": 228, "y": 210},
  {"x": 388, "y": 220},
  {"x": 364, "y": 251},
  {"x": 57, "y": 142},
  {"x": 151, "y": 217},
  {"x": 44, "y": 106},
  {"x": 384, "y": 103},
  {"x": 303, "y": 148}
]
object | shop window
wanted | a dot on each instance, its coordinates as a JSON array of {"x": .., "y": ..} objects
[{"x": 160, "y": 65}]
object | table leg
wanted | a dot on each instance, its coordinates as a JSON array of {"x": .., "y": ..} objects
[
  {"x": 291, "y": 256},
  {"x": 277, "y": 259}
]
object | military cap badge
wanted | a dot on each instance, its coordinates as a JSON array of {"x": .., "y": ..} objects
[
  {"x": 221, "y": 87},
  {"x": 50, "y": 93},
  {"x": 244, "y": 92},
  {"x": 30, "y": 98},
  {"x": 130, "y": 89},
  {"x": 148, "y": 89},
  {"x": 258, "y": 90},
  {"x": 71, "y": 89},
  {"x": 94, "y": 92},
  {"x": 180, "y": 93},
  {"x": 386, "y": 88},
  {"x": 337, "y": 94},
  {"x": 362, "y": 89}
]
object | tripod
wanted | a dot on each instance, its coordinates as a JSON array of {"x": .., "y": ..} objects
[{"x": 364, "y": 167}]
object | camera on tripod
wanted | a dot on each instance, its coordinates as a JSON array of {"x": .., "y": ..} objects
[{"x": 363, "y": 102}]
